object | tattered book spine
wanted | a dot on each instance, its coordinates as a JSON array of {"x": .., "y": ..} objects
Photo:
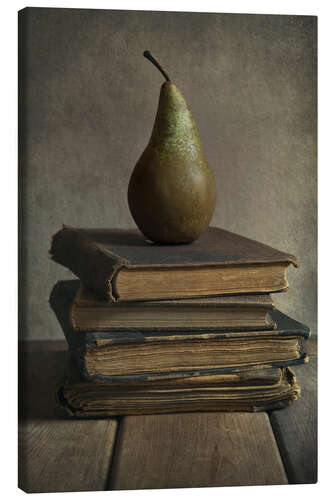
[{"x": 89, "y": 261}]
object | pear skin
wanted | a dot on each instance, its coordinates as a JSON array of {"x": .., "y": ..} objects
[{"x": 171, "y": 193}]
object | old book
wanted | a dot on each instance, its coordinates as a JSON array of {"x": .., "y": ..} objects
[
  {"x": 122, "y": 265},
  {"x": 139, "y": 355},
  {"x": 88, "y": 312},
  {"x": 255, "y": 389}
]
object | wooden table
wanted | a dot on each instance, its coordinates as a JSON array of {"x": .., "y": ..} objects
[{"x": 158, "y": 451}]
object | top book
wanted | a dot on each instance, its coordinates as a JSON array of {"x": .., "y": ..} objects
[{"x": 119, "y": 264}]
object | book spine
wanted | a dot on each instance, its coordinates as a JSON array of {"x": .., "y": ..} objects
[
  {"x": 78, "y": 358},
  {"x": 96, "y": 268}
]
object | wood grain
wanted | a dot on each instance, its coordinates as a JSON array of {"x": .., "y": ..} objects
[
  {"x": 63, "y": 456},
  {"x": 194, "y": 450},
  {"x": 295, "y": 427},
  {"x": 57, "y": 454}
]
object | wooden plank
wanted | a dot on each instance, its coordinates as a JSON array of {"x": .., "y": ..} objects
[
  {"x": 57, "y": 454},
  {"x": 295, "y": 427},
  {"x": 64, "y": 455},
  {"x": 195, "y": 450}
]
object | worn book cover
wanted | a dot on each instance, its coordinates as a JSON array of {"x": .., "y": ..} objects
[
  {"x": 247, "y": 312},
  {"x": 253, "y": 389},
  {"x": 139, "y": 354},
  {"x": 123, "y": 265}
]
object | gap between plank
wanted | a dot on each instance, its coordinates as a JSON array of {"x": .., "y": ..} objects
[
  {"x": 280, "y": 447},
  {"x": 116, "y": 444}
]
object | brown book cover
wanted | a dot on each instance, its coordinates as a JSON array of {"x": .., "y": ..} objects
[
  {"x": 254, "y": 389},
  {"x": 113, "y": 356},
  {"x": 119, "y": 264},
  {"x": 88, "y": 312}
]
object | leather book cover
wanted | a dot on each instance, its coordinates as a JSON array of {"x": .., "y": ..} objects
[{"x": 96, "y": 256}]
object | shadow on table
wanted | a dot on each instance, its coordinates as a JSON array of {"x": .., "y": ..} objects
[
  {"x": 42, "y": 363},
  {"x": 41, "y": 369}
]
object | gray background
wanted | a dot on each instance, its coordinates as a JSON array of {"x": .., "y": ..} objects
[{"x": 87, "y": 105}]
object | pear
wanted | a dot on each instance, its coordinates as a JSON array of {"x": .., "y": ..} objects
[{"x": 171, "y": 192}]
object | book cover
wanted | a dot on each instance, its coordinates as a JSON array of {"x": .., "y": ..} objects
[
  {"x": 288, "y": 339},
  {"x": 256, "y": 389},
  {"x": 88, "y": 312},
  {"x": 122, "y": 265}
]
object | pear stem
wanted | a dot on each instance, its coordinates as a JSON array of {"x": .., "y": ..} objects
[{"x": 150, "y": 58}]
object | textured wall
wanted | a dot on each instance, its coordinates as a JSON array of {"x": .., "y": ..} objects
[{"x": 87, "y": 104}]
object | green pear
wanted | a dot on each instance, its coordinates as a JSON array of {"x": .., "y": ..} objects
[{"x": 171, "y": 193}]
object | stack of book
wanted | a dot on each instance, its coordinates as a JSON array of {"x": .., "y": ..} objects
[{"x": 165, "y": 328}]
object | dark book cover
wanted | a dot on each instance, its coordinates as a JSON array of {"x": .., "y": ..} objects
[
  {"x": 98, "y": 256},
  {"x": 63, "y": 295}
]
